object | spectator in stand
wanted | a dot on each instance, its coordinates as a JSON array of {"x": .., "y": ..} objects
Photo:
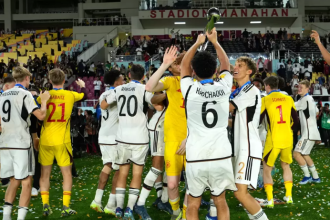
[
  {"x": 139, "y": 53},
  {"x": 92, "y": 69},
  {"x": 145, "y": 43},
  {"x": 172, "y": 37},
  {"x": 44, "y": 60},
  {"x": 81, "y": 68},
  {"x": 99, "y": 69},
  {"x": 316, "y": 88},
  {"x": 122, "y": 69},
  {"x": 128, "y": 41},
  {"x": 289, "y": 71},
  {"x": 260, "y": 65},
  {"x": 146, "y": 60},
  {"x": 245, "y": 34},
  {"x": 280, "y": 63},
  {"x": 325, "y": 118},
  {"x": 107, "y": 66},
  {"x": 281, "y": 72},
  {"x": 97, "y": 87},
  {"x": 285, "y": 34},
  {"x": 280, "y": 34},
  {"x": 321, "y": 79}
]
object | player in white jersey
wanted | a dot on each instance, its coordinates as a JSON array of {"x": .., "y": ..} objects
[
  {"x": 208, "y": 150},
  {"x": 309, "y": 134},
  {"x": 245, "y": 104},
  {"x": 16, "y": 105},
  {"x": 132, "y": 137},
  {"x": 108, "y": 144}
]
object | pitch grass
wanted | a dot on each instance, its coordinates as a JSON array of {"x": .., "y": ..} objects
[{"x": 310, "y": 201}]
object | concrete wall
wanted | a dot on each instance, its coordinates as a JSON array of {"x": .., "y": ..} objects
[
  {"x": 319, "y": 3},
  {"x": 50, "y": 16},
  {"x": 91, "y": 33},
  {"x": 99, "y": 56}
]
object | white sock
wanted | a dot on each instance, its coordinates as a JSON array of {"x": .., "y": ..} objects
[
  {"x": 164, "y": 193},
  {"x": 148, "y": 183},
  {"x": 120, "y": 197},
  {"x": 260, "y": 215},
  {"x": 112, "y": 201},
  {"x": 132, "y": 197},
  {"x": 7, "y": 211},
  {"x": 213, "y": 209},
  {"x": 251, "y": 217},
  {"x": 159, "y": 188},
  {"x": 305, "y": 170},
  {"x": 22, "y": 211},
  {"x": 98, "y": 196},
  {"x": 314, "y": 172}
]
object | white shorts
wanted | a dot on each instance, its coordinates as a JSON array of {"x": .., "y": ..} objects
[
  {"x": 136, "y": 154},
  {"x": 246, "y": 170},
  {"x": 109, "y": 155},
  {"x": 157, "y": 144},
  {"x": 304, "y": 146},
  {"x": 217, "y": 176},
  {"x": 17, "y": 163}
]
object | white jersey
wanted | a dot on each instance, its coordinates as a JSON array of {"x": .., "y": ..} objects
[
  {"x": 246, "y": 122},
  {"x": 157, "y": 120},
  {"x": 294, "y": 82},
  {"x": 132, "y": 105},
  {"x": 207, "y": 111},
  {"x": 324, "y": 90},
  {"x": 307, "y": 115},
  {"x": 284, "y": 92},
  {"x": 263, "y": 125},
  {"x": 296, "y": 68},
  {"x": 16, "y": 105},
  {"x": 109, "y": 121},
  {"x": 317, "y": 89}
]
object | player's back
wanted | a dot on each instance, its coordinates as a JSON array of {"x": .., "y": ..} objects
[
  {"x": 278, "y": 109},
  {"x": 16, "y": 104},
  {"x": 56, "y": 126},
  {"x": 132, "y": 104},
  {"x": 109, "y": 121},
  {"x": 207, "y": 110}
]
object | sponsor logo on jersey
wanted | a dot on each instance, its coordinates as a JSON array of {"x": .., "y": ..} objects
[{"x": 168, "y": 164}]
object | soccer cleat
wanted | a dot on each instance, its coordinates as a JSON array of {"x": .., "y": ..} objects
[
  {"x": 119, "y": 213},
  {"x": 47, "y": 210},
  {"x": 67, "y": 211},
  {"x": 110, "y": 211},
  {"x": 267, "y": 204},
  {"x": 176, "y": 217},
  {"x": 288, "y": 199},
  {"x": 305, "y": 180},
  {"x": 165, "y": 206},
  {"x": 208, "y": 217},
  {"x": 318, "y": 180},
  {"x": 158, "y": 200},
  {"x": 142, "y": 212},
  {"x": 128, "y": 214},
  {"x": 97, "y": 207},
  {"x": 34, "y": 192}
]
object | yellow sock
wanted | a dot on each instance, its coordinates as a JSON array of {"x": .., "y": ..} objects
[
  {"x": 45, "y": 197},
  {"x": 269, "y": 191},
  {"x": 175, "y": 203},
  {"x": 288, "y": 188},
  {"x": 66, "y": 198},
  {"x": 184, "y": 211}
]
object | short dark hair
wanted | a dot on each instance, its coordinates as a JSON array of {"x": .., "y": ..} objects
[
  {"x": 137, "y": 72},
  {"x": 204, "y": 64},
  {"x": 250, "y": 64},
  {"x": 326, "y": 104},
  {"x": 272, "y": 81},
  {"x": 258, "y": 80},
  {"x": 281, "y": 83},
  {"x": 9, "y": 79},
  {"x": 111, "y": 77}
]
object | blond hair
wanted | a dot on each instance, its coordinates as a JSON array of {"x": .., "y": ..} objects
[
  {"x": 20, "y": 73},
  {"x": 56, "y": 76},
  {"x": 250, "y": 64},
  {"x": 306, "y": 83}
]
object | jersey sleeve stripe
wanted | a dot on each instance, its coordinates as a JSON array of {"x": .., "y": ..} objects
[
  {"x": 186, "y": 101},
  {"x": 186, "y": 77},
  {"x": 233, "y": 103},
  {"x": 34, "y": 109},
  {"x": 223, "y": 71}
]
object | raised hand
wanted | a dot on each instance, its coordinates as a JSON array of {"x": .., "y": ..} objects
[
  {"x": 170, "y": 55},
  {"x": 200, "y": 39},
  {"x": 316, "y": 37},
  {"x": 44, "y": 96},
  {"x": 213, "y": 36},
  {"x": 80, "y": 83}
]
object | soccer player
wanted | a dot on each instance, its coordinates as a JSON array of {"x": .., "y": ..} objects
[
  {"x": 208, "y": 150},
  {"x": 278, "y": 109},
  {"x": 175, "y": 126},
  {"x": 55, "y": 140},
  {"x": 154, "y": 177},
  {"x": 8, "y": 83},
  {"x": 108, "y": 145},
  {"x": 309, "y": 134},
  {"x": 132, "y": 137},
  {"x": 16, "y": 105},
  {"x": 245, "y": 103}
]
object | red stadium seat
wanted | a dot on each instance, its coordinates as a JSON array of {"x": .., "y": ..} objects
[
  {"x": 84, "y": 78},
  {"x": 90, "y": 96}
]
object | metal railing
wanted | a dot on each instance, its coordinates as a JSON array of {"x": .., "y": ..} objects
[
  {"x": 318, "y": 18},
  {"x": 234, "y": 56},
  {"x": 151, "y": 4},
  {"x": 102, "y": 21}
]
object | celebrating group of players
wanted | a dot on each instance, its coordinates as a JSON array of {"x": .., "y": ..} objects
[{"x": 188, "y": 132}]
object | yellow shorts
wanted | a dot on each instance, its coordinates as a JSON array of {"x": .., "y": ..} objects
[
  {"x": 174, "y": 163},
  {"x": 62, "y": 153},
  {"x": 271, "y": 154}
]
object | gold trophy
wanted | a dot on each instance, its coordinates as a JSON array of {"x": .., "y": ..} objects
[{"x": 213, "y": 16}]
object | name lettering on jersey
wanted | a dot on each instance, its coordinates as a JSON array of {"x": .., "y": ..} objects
[
  {"x": 207, "y": 94},
  {"x": 278, "y": 99},
  {"x": 128, "y": 89},
  {"x": 57, "y": 97},
  {"x": 10, "y": 93}
]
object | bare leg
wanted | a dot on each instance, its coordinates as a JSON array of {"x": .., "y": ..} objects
[
  {"x": 192, "y": 209},
  {"x": 222, "y": 207}
]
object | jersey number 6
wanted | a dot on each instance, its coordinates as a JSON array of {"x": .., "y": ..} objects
[{"x": 212, "y": 111}]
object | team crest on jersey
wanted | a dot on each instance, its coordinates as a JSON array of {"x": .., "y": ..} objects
[{"x": 168, "y": 164}]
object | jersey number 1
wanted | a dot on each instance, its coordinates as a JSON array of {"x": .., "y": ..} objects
[
  {"x": 281, "y": 115},
  {"x": 62, "y": 105}
]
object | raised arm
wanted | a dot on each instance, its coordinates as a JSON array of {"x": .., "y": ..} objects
[
  {"x": 222, "y": 56},
  {"x": 41, "y": 113},
  {"x": 186, "y": 61},
  {"x": 153, "y": 84},
  {"x": 324, "y": 51}
]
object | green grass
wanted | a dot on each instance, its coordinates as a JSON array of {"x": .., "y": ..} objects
[{"x": 310, "y": 201}]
